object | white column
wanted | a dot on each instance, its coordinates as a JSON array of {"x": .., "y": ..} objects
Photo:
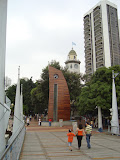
[
  {"x": 21, "y": 104},
  {"x": 93, "y": 43},
  {"x": 99, "y": 118},
  {"x": 17, "y": 117},
  {"x": 105, "y": 34},
  {"x": 114, "y": 121},
  {"x": 3, "y": 19}
]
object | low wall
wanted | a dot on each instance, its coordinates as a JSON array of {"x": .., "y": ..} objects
[{"x": 58, "y": 124}]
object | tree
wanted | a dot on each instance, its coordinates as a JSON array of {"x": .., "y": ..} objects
[
  {"x": 28, "y": 85},
  {"x": 73, "y": 82},
  {"x": 98, "y": 92},
  {"x": 11, "y": 92}
]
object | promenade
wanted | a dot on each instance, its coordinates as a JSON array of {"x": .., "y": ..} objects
[{"x": 50, "y": 143}]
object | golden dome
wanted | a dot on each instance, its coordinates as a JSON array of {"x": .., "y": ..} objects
[{"x": 72, "y": 52}]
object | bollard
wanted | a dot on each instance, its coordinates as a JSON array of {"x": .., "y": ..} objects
[
  {"x": 74, "y": 124},
  {"x": 61, "y": 122}
]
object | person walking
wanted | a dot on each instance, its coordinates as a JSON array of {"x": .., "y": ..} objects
[
  {"x": 88, "y": 131},
  {"x": 80, "y": 133},
  {"x": 50, "y": 120},
  {"x": 70, "y": 139},
  {"x": 28, "y": 121},
  {"x": 39, "y": 123}
]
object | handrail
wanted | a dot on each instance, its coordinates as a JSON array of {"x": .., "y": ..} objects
[{"x": 12, "y": 140}]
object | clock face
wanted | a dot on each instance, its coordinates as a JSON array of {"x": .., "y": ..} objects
[
  {"x": 55, "y": 76},
  {"x": 76, "y": 66}
]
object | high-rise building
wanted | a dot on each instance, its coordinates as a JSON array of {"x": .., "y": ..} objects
[{"x": 101, "y": 34}]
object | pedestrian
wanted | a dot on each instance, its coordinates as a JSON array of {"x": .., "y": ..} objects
[
  {"x": 80, "y": 133},
  {"x": 88, "y": 131},
  {"x": 50, "y": 120},
  {"x": 70, "y": 139},
  {"x": 39, "y": 123},
  {"x": 28, "y": 121}
]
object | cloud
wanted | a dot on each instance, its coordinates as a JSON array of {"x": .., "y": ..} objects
[{"x": 18, "y": 30}]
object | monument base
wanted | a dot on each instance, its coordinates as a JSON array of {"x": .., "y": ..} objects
[{"x": 58, "y": 124}]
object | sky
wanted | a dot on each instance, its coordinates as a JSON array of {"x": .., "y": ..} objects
[{"x": 39, "y": 31}]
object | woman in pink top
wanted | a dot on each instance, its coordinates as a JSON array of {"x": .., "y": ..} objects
[{"x": 80, "y": 133}]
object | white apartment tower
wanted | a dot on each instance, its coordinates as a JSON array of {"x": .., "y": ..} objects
[{"x": 101, "y": 34}]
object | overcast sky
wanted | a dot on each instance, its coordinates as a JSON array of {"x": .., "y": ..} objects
[{"x": 39, "y": 31}]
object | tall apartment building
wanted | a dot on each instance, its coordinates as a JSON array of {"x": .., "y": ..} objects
[{"x": 101, "y": 35}]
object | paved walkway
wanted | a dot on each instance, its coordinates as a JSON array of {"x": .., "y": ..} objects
[{"x": 50, "y": 143}]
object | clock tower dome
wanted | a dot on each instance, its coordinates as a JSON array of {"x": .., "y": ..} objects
[{"x": 72, "y": 63}]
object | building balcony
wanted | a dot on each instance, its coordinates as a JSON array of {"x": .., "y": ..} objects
[
  {"x": 88, "y": 50},
  {"x": 89, "y": 73},
  {"x": 86, "y": 23},
  {"x": 87, "y": 53},
  {"x": 86, "y": 27},
  {"x": 87, "y": 38},
  {"x": 87, "y": 56},
  {"x": 98, "y": 29},
  {"x": 99, "y": 66},
  {"x": 98, "y": 39},
  {"x": 89, "y": 70},
  {"x": 97, "y": 19},
  {"x": 88, "y": 45},
  {"x": 87, "y": 31},
  {"x": 98, "y": 34},
  {"x": 99, "y": 60},
  {"x": 97, "y": 14},
  {"x": 99, "y": 48},
  {"x": 98, "y": 42},
  {"x": 96, "y": 10},
  {"x": 88, "y": 60},
  {"x": 98, "y": 23},
  {"x": 99, "y": 53},
  {"x": 86, "y": 18}
]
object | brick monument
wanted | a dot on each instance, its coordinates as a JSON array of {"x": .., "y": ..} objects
[{"x": 59, "y": 98}]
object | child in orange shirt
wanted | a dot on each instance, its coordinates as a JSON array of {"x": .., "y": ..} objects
[{"x": 70, "y": 139}]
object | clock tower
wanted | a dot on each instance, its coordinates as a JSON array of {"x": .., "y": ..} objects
[{"x": 72, "y": 63}]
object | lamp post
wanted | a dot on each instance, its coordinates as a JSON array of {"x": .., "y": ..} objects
[
  {"x": 100, "y": 127},
  {"x": 114, "y": 110}
]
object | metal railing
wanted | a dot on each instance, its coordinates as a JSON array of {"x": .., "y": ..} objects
[{"x": 14, "y": 146}]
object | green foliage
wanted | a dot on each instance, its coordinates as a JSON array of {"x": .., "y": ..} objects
[
  {"x": 28, "y": 85},
  {"x": 98, "y": 92},
  {"x": 10, "y": 93},
  {"x": 73, "y": 82}
]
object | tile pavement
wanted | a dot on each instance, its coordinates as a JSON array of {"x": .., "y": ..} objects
[{"x": 50, "y": 143}]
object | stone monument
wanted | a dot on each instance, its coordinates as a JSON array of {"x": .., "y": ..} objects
[{"x": 59, "y": 98}]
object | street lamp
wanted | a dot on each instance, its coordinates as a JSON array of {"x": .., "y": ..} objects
[{"x": 114, "y": 109}]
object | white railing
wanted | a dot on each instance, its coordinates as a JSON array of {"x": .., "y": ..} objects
[{"x": 14, "y": 146}]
